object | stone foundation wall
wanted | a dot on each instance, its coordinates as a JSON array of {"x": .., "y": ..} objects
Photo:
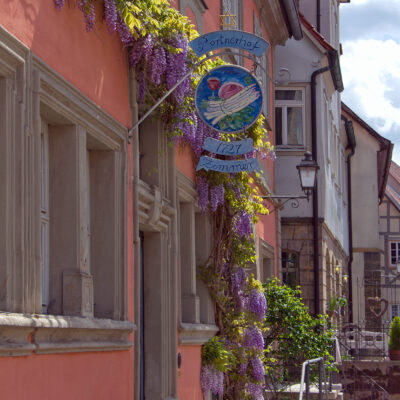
[
  {"x": 297, "y": 236},
  {"x": 356, "y": 384}
]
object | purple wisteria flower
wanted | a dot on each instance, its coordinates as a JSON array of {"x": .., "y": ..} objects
[
  {"x": 243, "y": 224},
  {"x": 157, "y": 64},
  {"x": 148, "y": 44},
  {"x": 255, "y": 391},
  {"x": 202, "y": 190},
  {"x": 243, "y": 368},
  {"x": 59, "y": 4},
  {"x": 199, "y": 137},
  {"x": 254, "y": 338},
  {"x": 257, "y": 304},
  {"x": 238, "y": 278},
  {"x": 216, "y": 197},
  {"x": 87, "y": 7},
  {"x": 241, "y": 301},
  {"x": 111, "y": 15},
  {"x": 257, "y": 367},
  {"x": 272, "y": 155},
  {"x": 125, "y": 34},
  {"x": 211, "y": 379}
]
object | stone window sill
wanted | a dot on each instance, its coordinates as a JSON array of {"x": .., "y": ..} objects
[
  {"x": 196, "y": 334},
  {"x": 22, "y": 334}
]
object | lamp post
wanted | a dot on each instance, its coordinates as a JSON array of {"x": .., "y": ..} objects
[{"x": 307, "y": 173}]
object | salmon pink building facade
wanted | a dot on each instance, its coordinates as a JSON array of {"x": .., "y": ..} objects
[
  {"x": 101, "y": 231},
  {"x": 66, "y": 267}
]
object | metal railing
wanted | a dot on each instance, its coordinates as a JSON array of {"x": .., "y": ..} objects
[
  {"x": 305, "y": 378},
  {"x": 361, "y": 343}
]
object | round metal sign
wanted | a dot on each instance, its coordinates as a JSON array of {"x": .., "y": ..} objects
[{"x": 229, "y": 99}]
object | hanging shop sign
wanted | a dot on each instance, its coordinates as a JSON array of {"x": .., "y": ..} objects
[
  {"x": 229, "y": 99},
  {"x": 222, "y": 39},
  {"x": 230, "y": 166},
  {"x": 233, "y": 148}
]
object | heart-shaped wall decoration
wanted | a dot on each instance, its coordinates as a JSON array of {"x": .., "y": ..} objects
[{"x": 374, "y": 301}]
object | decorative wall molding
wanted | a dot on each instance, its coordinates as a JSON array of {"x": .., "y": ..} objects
[
  {"x": 63, "y": 98},
  {"x": 13, "y": 53},
  {"x": 154, "y": 211},
  {"x": 22, "y": 334},
  {"x": 196, "y": 334}
]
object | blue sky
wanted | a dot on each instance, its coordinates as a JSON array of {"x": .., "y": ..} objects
[{"x": 370, "y": 37}]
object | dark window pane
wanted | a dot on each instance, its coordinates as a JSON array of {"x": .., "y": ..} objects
[
  {"x": 289, "y": 268},
  {"x": 288, "y": 94},
  {"x": 278, "y": 125}
]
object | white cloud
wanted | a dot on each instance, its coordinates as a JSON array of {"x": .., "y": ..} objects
[
  {"x": 370, "y": 36},
  {"x": 371, "y": 76}
]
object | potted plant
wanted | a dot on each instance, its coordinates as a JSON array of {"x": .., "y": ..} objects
[
  {"x": 394, "y": 339},
  {"x": 335, "y": 303}
]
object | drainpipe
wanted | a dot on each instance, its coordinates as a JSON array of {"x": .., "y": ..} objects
[
  {"x": 137, "y": 278},
  {"x": 314, "y": 150},
  {"x": 319, "y": 15},
  {"x": 351, "y": 145}
]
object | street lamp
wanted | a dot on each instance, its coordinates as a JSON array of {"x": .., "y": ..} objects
[{"x": 307, "y": 172}]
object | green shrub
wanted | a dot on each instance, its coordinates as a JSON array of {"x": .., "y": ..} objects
[{"x": 394, "y": 334}]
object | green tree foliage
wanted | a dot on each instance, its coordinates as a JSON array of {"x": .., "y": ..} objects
[{"x": 292, "y": 334}]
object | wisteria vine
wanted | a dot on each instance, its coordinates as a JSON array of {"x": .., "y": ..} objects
[{"x": 157, "y": 37}]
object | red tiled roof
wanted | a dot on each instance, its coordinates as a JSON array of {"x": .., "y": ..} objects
[
  {"x": 394, "y": 171},
  {"x": 393, "y": 196}
]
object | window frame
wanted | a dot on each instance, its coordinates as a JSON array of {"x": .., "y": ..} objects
[
  {"x": 235, "y": 7},
  {"x": 396, "y": 313},
  {"x": 390, "y": 243},
  {"x": 295, "y": 269},
  {"x": 199, "y": 331},
  {"x": 283, "y": 105},
  {"x": 28, "y": 84}
]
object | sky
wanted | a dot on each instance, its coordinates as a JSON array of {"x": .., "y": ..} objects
[{"x": 370, "y": 37}]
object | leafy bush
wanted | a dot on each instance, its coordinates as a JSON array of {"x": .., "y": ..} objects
[
  {"x": 394, "y": 334},
  {"x": 335, "y": 302},
  {"x": 292, "y": 334}
]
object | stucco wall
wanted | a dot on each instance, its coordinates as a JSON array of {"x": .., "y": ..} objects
[
  {"x": 364, "y": 190},
  {"x": 89, "y": 376},
  {"x": 94, "y": 62}
]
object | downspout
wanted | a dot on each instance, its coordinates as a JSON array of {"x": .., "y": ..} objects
[
  {"x": 351, "y": 140},
  {"x": 137, "y": 278},
  {"x": 314, "y": 150},
  {"x": 319, "y": 15}
]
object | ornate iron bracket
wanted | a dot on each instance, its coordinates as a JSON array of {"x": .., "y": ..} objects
[{"x": 294, "y": 204}]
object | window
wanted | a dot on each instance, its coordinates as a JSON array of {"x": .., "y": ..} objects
[
  {"x": 289, "y": 117},
  {"x": 234, "y": 8},
  {"x": 394, "y": 253},
  {"x": 395, "y": 310},
  {"x": 290, "y": 265},
  {"x": 63, "y": 232},
  {"x": 195, "y": 245},
  {"x": 267, "y": 260}
]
